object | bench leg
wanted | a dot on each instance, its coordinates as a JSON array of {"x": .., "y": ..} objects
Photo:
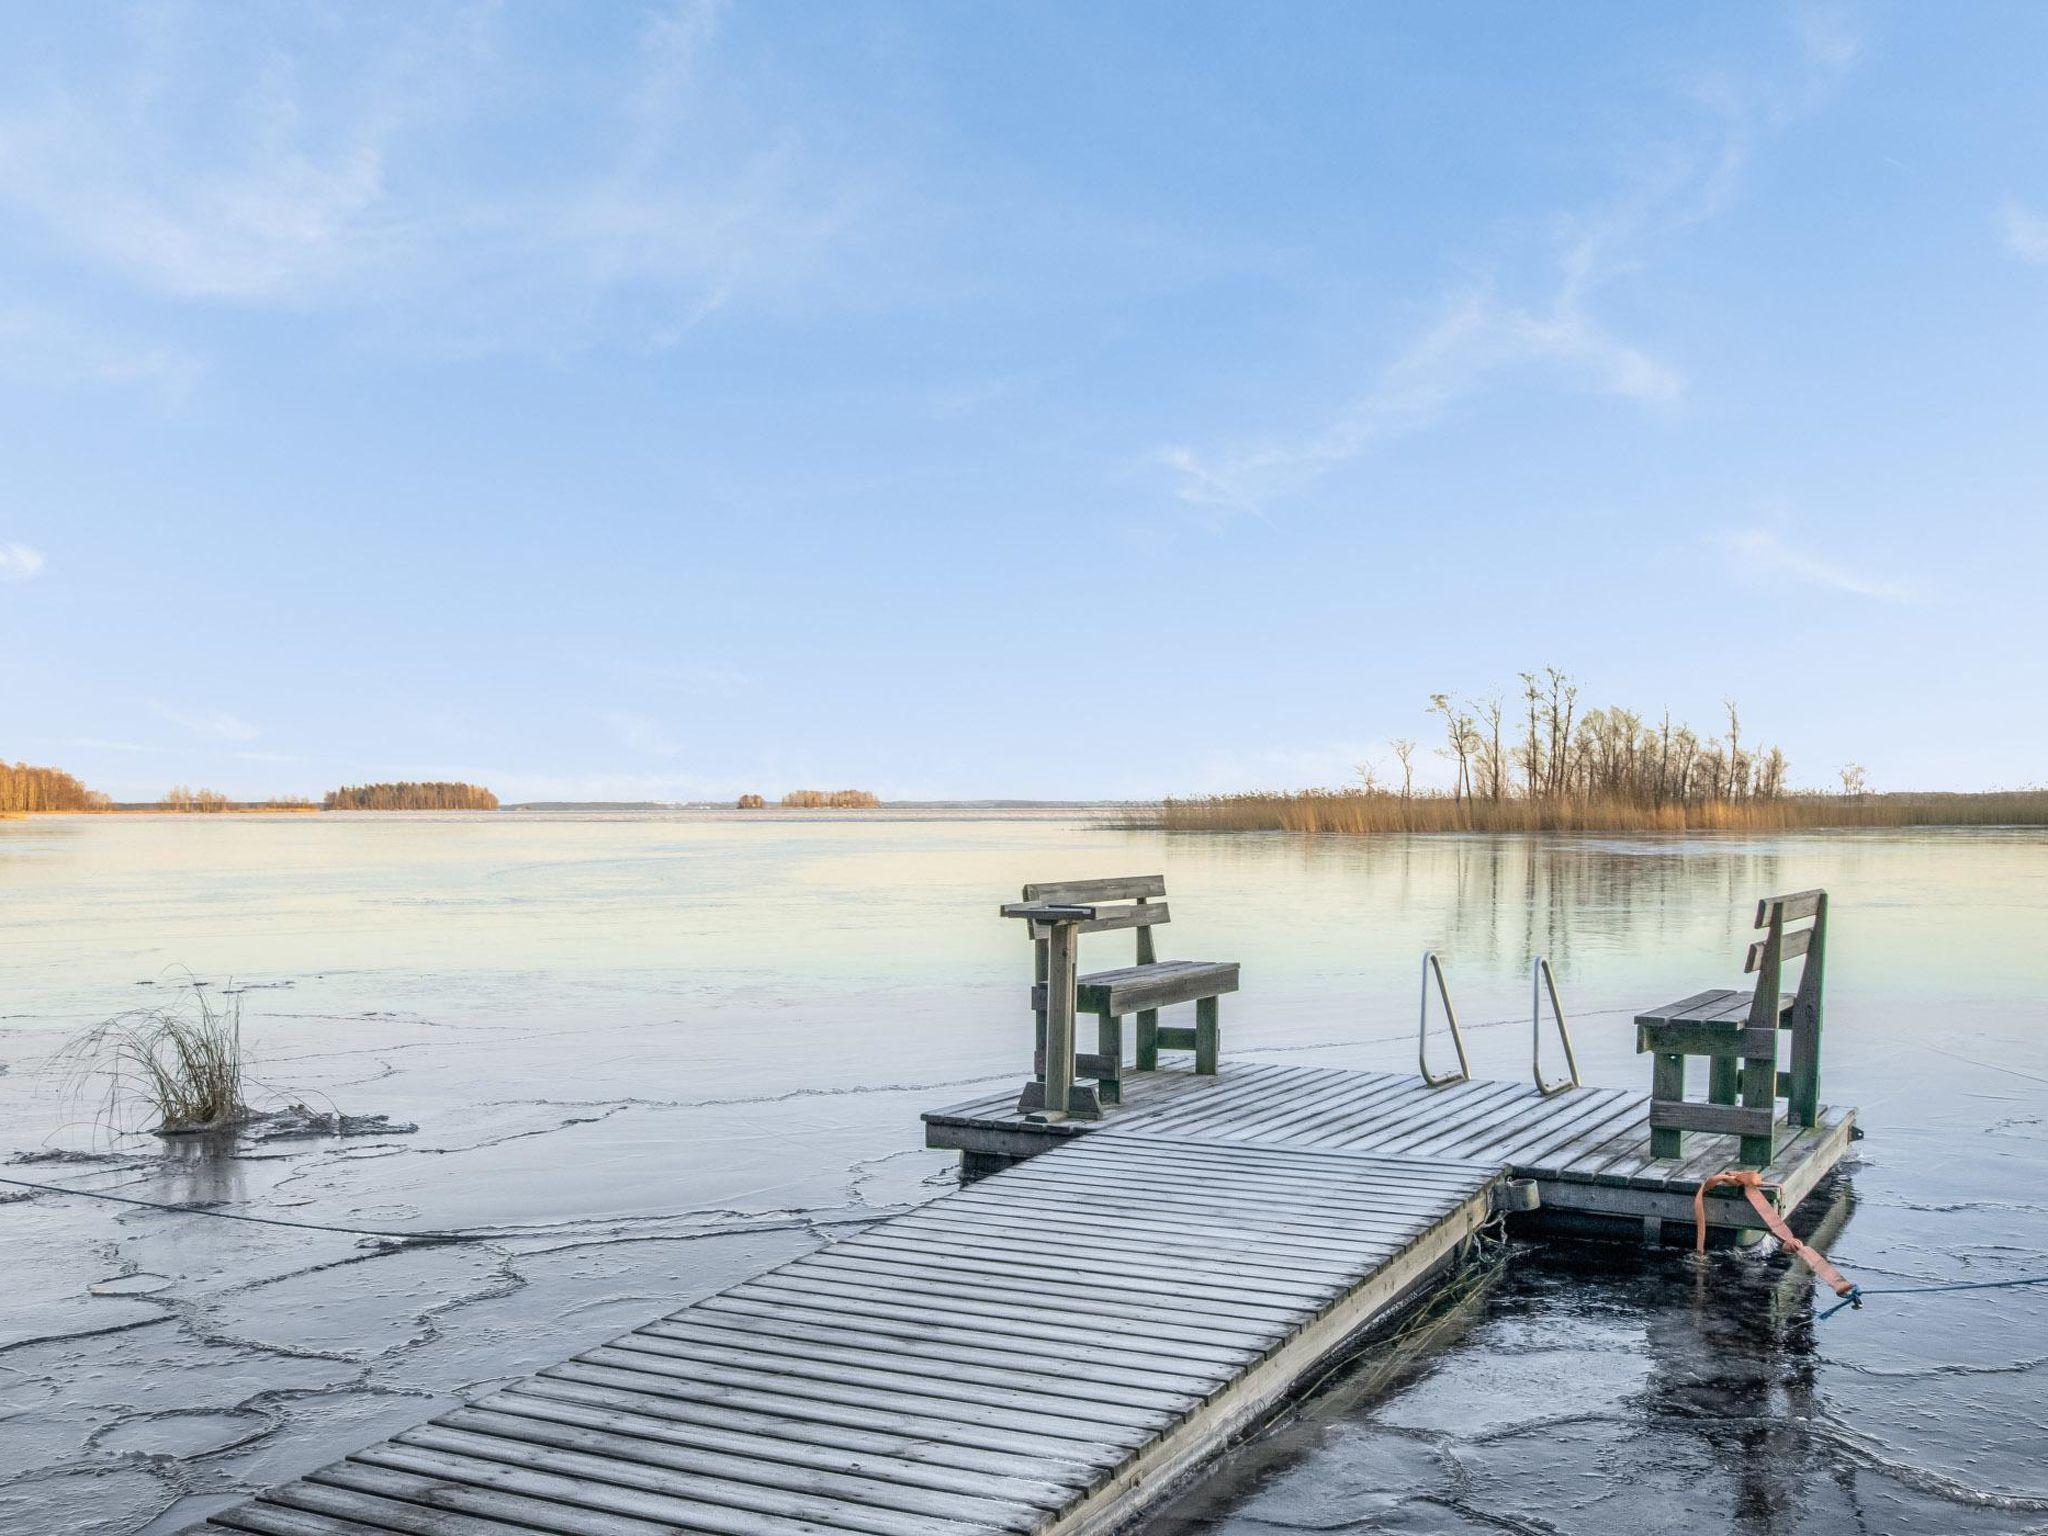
[
  {"x": 1040, "y": 969},
  {"x": 1667, "y": 1082},
  {"x": 1109, "y": 1045},
  {"x": 1148, "y": 1040},
  {"x": 1759, "y": 1091},
  {"x": 1205, "y": 1037},
  {"x": 1804, "y": 1088},
  {"x": 1724, "y": 1079}
]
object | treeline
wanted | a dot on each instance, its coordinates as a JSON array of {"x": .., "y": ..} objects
[
  {"x": 180, "y": 798},
  {"x": 1544, "y": 748},
  {"x": 23, "y": 788},
  {"x": 408, "y": 796},
  {"x": 1544, "y": 764},
  {"x": 830, "y": 800}
]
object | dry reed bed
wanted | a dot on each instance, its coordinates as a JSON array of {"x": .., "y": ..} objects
[{"x": 1365, "y": 812}]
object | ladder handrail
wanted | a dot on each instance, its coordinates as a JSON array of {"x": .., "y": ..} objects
[
  {"x": 1539, "y": 979},
  {"x": 1464, "y": 1072}
]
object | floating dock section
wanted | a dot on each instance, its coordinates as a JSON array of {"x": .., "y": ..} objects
[
  {"x": 1046, "y": 1351},
  {"x": 1587, "y": 1150}
]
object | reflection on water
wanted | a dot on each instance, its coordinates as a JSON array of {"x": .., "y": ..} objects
[{"x": 652, "y": 1054}]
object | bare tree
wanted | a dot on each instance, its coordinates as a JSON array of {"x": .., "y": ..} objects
[
  {"x": 1532, "y": 742},
  {"x": 1405, "y": 751},
  {"x": 1735, "y": 774},
  {"x": 1459, "y": 733},
  {"x": 1495, "y": 772}
]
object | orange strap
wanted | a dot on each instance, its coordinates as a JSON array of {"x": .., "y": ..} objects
[{"x": 1752, "y": 1184}]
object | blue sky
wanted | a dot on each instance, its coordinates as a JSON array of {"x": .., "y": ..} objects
[{"x": 1011, "y": 400}]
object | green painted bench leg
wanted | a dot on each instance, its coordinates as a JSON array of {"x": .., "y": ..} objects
[
  {"x": 1041, "y": 968},
  {"x": 1724, "y": 1079},
  {"x": 1205, "y": 1037},
  {"x": 1803, "y": 1089},
  {"x": 1667, "y": 1082},
  {"x": 1148, "y": 1040},
  {"x": 1759, "y": 1091},
  {"x": 1109, "y": 1041}
]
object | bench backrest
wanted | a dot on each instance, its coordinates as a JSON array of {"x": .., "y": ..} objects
[
  {"x": 1137, "y": 910},
  {"x": 1783, "y": 942},
  {"x": 1766, "y": 960}
]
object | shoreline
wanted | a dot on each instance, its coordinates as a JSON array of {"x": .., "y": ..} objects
[{"x": 1374, "y": 813}]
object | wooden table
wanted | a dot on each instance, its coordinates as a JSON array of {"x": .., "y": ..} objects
[{"x": 1059, "y": 925}]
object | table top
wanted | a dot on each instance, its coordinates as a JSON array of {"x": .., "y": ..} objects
[{"x": 1049, "y": 911}]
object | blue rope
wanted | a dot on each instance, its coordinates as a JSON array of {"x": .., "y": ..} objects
[{"x": 1858, "y": 1292}]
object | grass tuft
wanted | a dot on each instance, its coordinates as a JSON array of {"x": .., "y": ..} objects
[{"x": 183, "y": 1063}]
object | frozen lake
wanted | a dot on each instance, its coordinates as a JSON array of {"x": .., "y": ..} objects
[{"x": 649, "y": 1055}]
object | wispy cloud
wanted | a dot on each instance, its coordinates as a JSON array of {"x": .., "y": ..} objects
[
  {"x": 256, "y": 194},
  {"x": 1758, "y": 554},
  {"x": 1484, "y": 331},
  {"x": 2026, "y": 232},
  {"x": 217, "y": 724},
  {"x": 18, "y": 562},
  {"x": 1475, "y": 337},
  {"x": 318, "y": 177}
]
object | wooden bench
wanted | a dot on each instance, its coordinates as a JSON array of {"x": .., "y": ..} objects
[
  {"x": 1738, "y": 1033},
  {"x": 1060, "y": 911}
]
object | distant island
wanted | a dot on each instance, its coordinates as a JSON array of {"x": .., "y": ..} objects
[
  {"x": 434, "y": 795},
  {"x": 24, "y": 789},
  {"x": 830, "y": 800},
  {"x": 207, "y": 801}
]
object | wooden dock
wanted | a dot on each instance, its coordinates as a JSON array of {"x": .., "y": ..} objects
[
  {"x": 1050, "y": 1349},
  {"x": 1140, "y": 1265},
  {"x": 1586, "y": 1149},
  {"x": 1046, "y": 1351}
]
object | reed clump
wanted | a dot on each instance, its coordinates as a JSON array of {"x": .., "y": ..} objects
[
  {"x": 753, "y": 802},
  {"x": 831, "y": 800},
  {"x": 182, "y": 1063}
]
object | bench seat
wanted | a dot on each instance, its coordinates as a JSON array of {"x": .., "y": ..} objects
[
  {"x": 1142, "y": 988},
  {"x": 1700, "y": 1019}
]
